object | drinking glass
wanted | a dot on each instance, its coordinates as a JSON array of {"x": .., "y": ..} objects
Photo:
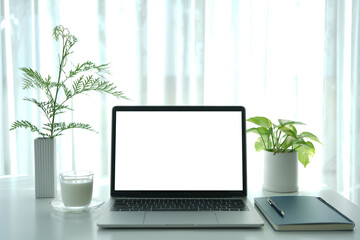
[{"x": 76, "y": 188}]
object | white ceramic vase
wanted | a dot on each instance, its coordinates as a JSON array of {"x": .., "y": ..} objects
[
  {"x": 45, "y": 168},
  {"x": 281, "y": 172}
]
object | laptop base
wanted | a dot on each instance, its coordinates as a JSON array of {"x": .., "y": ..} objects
[{"x": 175, "y": 219}]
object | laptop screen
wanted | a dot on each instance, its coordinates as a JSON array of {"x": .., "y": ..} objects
[{"x": 182, "y": 149}]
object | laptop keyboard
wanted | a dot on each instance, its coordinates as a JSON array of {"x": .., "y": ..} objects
[{"x": 179, "y": 205}]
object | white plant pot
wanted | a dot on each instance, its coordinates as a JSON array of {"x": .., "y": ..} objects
[
  {"x": 45, "y": 168},
  {"x": 281, "y": 172}
]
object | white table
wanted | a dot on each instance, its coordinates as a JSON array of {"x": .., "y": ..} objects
[{"x": 22, "y": 216}]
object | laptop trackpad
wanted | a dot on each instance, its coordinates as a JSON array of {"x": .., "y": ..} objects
[{"x": 179, "y": 219}]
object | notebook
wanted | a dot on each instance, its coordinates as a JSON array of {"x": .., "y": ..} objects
[
  {"x": 303, "y": 213},
  {"x": 172, "y": 165}
]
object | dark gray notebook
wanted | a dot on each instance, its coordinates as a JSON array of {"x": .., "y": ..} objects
[{"x": 303, "y": 213}]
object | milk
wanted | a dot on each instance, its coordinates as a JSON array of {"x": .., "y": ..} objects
[{"x": 76, "y": 193}]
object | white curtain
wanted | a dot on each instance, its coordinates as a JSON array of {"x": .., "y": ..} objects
[
  {"x": 341, "y": 128},
  {"x": 265, "y": 55}
]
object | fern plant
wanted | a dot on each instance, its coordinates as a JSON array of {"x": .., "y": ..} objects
[{"x": 79, "y": 79}]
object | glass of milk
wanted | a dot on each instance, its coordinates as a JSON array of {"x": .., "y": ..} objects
[{"x": 76, "y": 188}]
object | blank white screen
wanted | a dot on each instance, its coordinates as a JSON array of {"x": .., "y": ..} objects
[{"x": 178, "y": 151}]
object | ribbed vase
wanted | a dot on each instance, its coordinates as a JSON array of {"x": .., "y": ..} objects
[{"x": 45, "y": 168}]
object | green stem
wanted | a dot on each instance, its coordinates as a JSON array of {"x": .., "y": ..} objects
[
  {"x": 278, "y": 132},
  {"x": 58, "y": 86},
  {"x": 273, "y": 142},
  {"x": 283, "y": 142},
  {"x": 263, "y": 140},
  {"x": 294, "y": 149}
]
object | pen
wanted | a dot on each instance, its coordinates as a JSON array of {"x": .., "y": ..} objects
[{"x": 277, "y": 209}]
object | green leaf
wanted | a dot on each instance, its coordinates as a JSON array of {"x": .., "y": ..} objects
[
  {"x": 303, "y": 157},
  {"x": 309, "y": 147},
  {"x": 284, "y": 122},
  {"x": 46, "y": 107},
  {"x": 263, "y": 143},
  {"x": 68, "y": 93},
  {"x": 262, "y": 131},
  {"x": 288, "y": 131},
  {"x": 58, "y": 128},
  {"x": 261, "y": 121},
  {"x": 88, "y": 67},
  {"x": 310, "y": 136},
  {"x": 305, "y": 151},
  {"x": 259, "y": 131},
  {"x": 288, "y": 142},
  {"x": 252, "y": 130},
  {"x": 27, "y": 125},
  {"x": 32, "y": 79},
  {"x": 293, "y": 129},
  {"x": 59, "y": 109},
  {"x": 89, "y": 83},
  {"x": 259, "y": 145},
  {"x": 79, "y": 125}
]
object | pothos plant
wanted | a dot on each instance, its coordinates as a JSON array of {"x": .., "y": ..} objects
[
  {"x": 81, "y": 78},
  {"x": 283, "y": 137}
]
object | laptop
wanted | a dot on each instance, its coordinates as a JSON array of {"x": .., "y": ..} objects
[{"x": 178, "y": 167}]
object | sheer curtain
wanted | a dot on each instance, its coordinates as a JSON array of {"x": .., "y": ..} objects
[
  {"x": 265, "y": 55},
  {"x": 341, "y": 166}
]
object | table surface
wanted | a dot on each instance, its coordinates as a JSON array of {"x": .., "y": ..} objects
[{"x": 22, "y": 216}]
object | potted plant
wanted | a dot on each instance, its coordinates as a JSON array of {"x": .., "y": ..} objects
[
  {"x": 70, "y": 81},
  {"x": 283, "y": 147}
]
